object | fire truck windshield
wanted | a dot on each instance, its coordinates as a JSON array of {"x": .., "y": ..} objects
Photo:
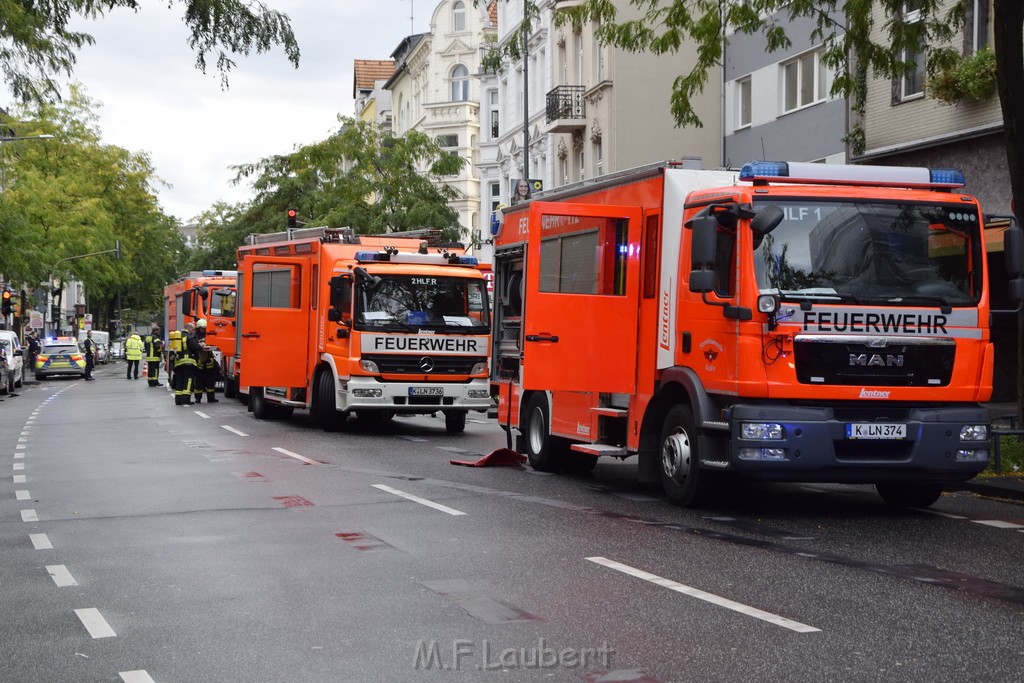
[
  {"x": 222, "y": 303},
  {"x": 414, "y": 302},
  {"x": 882, "y": 253}
]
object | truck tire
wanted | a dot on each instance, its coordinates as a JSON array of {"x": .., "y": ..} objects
[
  {"x": 546, "y": 453},
  {"x": 230, "y": 388},
  {"x": 454, "y": 421},
  {"x": 909, "y": 494},
  {"x": 258, "y": 405},
  {"x": 325, "y": 411},
  {"x": 681, "y": 477}
]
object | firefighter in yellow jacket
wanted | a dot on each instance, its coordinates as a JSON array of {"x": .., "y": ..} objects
[
  {"x": 185, "y": 359},
  {"x": 154, "y": 345}
]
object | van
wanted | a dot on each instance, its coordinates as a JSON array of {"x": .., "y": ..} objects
[
  {"x": 16, "y": 355},
  {"x": 102, "y": 340}
]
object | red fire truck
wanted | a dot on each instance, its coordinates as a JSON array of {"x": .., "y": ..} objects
[
  {"x": 206, "y": 295},
  {"x": 799, "y": 322},
  {"x": 339, "y": 323}
]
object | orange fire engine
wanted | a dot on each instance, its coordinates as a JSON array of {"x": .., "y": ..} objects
[
  {"x": 802, "y": 322},
  {"x": 206, "y": 295},
  {"x": 376, "y": 325}
]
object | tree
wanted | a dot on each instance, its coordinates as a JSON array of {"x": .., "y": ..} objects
[{"x": 38, "y": 43}]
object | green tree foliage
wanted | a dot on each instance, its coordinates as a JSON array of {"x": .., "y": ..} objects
[
  {"x": 359, "y": 177},
  {"x": 71, "y": 196},
  {"x": 37, "y": 43}
]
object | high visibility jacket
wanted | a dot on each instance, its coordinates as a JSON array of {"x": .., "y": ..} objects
[
  {"x": 153, "y": 346},
  {"x": 133, "y": 348},
  {"x": 190, "y": 348}
]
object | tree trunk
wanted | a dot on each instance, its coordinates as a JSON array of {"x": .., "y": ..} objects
[{"x": 1008, "y": 23}]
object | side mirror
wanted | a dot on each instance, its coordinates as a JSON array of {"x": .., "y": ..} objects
[
  {"x": 1013, "y": 250},
  {"x": 703, "y": 242},
  {"x": 767, "y": 219},
  {"x": 334, "y": 315}
]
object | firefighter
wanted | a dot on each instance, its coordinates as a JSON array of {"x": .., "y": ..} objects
[
  {"x": 206, "y": 369},
  {"x": 154, "y": 345},
  {"x": 185, "y": 366}
]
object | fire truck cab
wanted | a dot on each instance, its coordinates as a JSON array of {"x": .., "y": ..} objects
[
  {"x": 339, "y": 323},
  {"x": 799, "y": 322},
  {"x": 206, "y": 295}
]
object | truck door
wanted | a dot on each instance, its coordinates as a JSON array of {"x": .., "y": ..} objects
[
  {"x": 582, "y": 297},
  {"x": 275, "y": 321}
]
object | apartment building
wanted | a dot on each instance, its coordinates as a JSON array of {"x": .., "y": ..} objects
[
  {"x": 777, "y": 105},
  {"x": 372, "y": 100},
  {"x": 434, "y": 90}
]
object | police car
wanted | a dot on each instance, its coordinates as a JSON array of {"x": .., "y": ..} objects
[{"x": 60, "y": 357}]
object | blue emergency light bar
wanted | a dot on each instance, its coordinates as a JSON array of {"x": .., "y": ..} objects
[
  {"x": 394, "y": 256},
  {"x": 848, "y": 174},
  {"x": 220, "y": 273}
]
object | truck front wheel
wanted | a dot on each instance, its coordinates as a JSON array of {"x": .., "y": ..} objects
[
  {"x": 454, "y": 421},
  {"x": 545, "y": 452},
  {"x": 325, "y": 409},
  {"x": 681, "y": 476},
  {"x": 909, "y": 494}
]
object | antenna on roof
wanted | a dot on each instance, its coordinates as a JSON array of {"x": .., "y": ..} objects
[{"x": 412, "y": 16}]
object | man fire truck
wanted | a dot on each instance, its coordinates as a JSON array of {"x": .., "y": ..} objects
[
  {"x": 206, "y": 295},
  {"x": 377, "y": 325},
  {"x": 806, "y": 322}
]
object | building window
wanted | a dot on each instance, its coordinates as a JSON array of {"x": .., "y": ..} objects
[
  {"x": 448, "y": 141},
  {"x": 564, "y": 168},
  {"x": 492, "y": 99},
  {"x": 495, "y": 195},
  {"x": 743, "y": 102},
  {"x": 977, "y": 26},
  {"x": 581, "y": 160},
  {"x": 912, "y": 82},
  {"x": 577, "y": 41},
  {"x": 803, "y": 81},
  {"x": 459, "y": 16},
  {"x": 598, "y": 158},
  {"x": 460, "y": 84}
]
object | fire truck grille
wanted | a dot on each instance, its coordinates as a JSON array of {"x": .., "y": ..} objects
[
  {"x": 418, "y": 365},
  {"x": 848, "y": 362},
  {"x": 888, "y": 451}
]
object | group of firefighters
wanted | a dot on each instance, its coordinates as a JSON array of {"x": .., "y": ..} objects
[{"x": 191, "y": 363}]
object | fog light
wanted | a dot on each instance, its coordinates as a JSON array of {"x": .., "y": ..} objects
[
  {"x": 980, "y": 455},
  {"x": 479, "y": 369},
  {"x": 974, "y": 433},
  {"x": 479, "y": 393},
  {"x": 762, "y": 454},
  {"x": 760, "y": 430},
  {"x": 368, "y": 393},
  {"x": 369, "y": 366}
]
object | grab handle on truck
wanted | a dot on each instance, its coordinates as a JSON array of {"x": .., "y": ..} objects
[{"x": 541, "y": 338}]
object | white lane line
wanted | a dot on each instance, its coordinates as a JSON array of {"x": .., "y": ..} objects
[
  {"x": 937, "y": 513},
  {"x": 40, "y": 541},
  {"x": 19, "y": 466},
  {"x": 303, "y": 458},
  {"x": 21, "y": 494},
  {"x": 20, "y": 447},
  {"x": 20, "y": 479},
  {"x": 234, "y": 431},
  {"x": 201, "y": 414},
  {"x": 999, "y": 524},
  {"x": 417, "y": 499},
  {"x": 29, "y": 515},
  {"x": 19, "y": 456},
  {"x": 94, "y": 623},
  {"x": 137, "y": 676},
  {"x": 61, "y": 576},
  {"x": 708, "y": 597}
]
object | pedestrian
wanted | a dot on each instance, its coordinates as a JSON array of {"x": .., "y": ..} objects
[
  {"x": 185, "y": 360},
  {"x": 133, "y": 354},
  {"x": 89, "y": 348},
  {"x": 206, "y": 369},
  {"x": 33, "y": 349},
  {"x": 154, "y": 345}
]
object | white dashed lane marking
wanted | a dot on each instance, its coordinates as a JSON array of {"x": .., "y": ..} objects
[
  {"x": 60, "y": 575},
  {"x": 417, "y": 499},
  {"x": 138, "y": 676},
  {"x": 707, "y": 597},
  {"x": 234, "y": 431},
  {"x": 22, "y": 495},
  {"x": 29, "y": 515},
  {"x": 303, "y": 458},
  {"x": 94, "y": 623},
  {"x": 20, "y": 479},
  {"x": 40, "y": 541}
]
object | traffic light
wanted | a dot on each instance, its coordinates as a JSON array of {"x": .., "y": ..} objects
[
  {"x": 293, "y": 218},
  {"x": 6, "y": 306}
]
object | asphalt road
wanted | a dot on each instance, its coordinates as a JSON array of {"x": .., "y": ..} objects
[{"x": 140, "y": 541}]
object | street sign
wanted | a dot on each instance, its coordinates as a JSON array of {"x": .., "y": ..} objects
[{"x": 35, "y": 320}]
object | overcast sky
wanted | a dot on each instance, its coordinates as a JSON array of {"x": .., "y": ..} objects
[{"x": 154, "y": 100}]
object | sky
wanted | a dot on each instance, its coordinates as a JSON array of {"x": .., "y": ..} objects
[{"x": 152, "y": 99}]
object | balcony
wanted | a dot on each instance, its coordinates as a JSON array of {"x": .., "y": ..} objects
[{"x": 566, "y": 109}]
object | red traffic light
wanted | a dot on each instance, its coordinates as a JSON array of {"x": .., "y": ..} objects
[
  {"x": 292, "y": 213},
  {"x": 7, "y": 295}
]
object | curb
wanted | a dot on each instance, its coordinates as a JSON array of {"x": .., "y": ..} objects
[{"x": 1013, "y": 492}]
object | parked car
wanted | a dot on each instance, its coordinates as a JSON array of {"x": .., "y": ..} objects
[
  {"x": 6, "y": 368},
  {"x": 15, "y": 355},
  {"x": 60, "y": 357}
]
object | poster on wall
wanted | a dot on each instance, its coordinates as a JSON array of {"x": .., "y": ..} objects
[{"x": 523, "y": 189}]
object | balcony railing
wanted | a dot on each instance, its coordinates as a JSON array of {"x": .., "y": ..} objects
[{"x": 566, "y": 103}]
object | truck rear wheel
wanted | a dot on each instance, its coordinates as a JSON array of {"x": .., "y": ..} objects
[
  {"x": 909, "y": 494},
  {"x": 258, "y": 404},
  {"x": 230, "y": 388},
  {"x": 455, "y": 421},
  {"x": 681, "y": 476},
  {"x": 545, "y": 452}
]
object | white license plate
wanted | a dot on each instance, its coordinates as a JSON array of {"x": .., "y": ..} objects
[
  {"x": 876, "y": 430},
  {"x": 426, "y": 391}
]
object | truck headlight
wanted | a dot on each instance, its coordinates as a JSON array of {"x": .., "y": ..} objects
[
  {"x": 478, "y": 369},
  {"x": 367, "y": 393},
  {"x": 369, "y": 366},
  {"x": 980, "y": 455},
  {"x": 974, "y": 433},
  {"x": 761, "y": 430}
]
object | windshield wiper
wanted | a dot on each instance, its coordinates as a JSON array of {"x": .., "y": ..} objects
[{"x": 944, "y": 305}]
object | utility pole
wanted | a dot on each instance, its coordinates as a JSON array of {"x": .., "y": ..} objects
[{"x": 526, "y": 91}]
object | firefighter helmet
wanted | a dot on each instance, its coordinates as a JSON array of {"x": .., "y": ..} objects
[{"x": 202, "y": 323}]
